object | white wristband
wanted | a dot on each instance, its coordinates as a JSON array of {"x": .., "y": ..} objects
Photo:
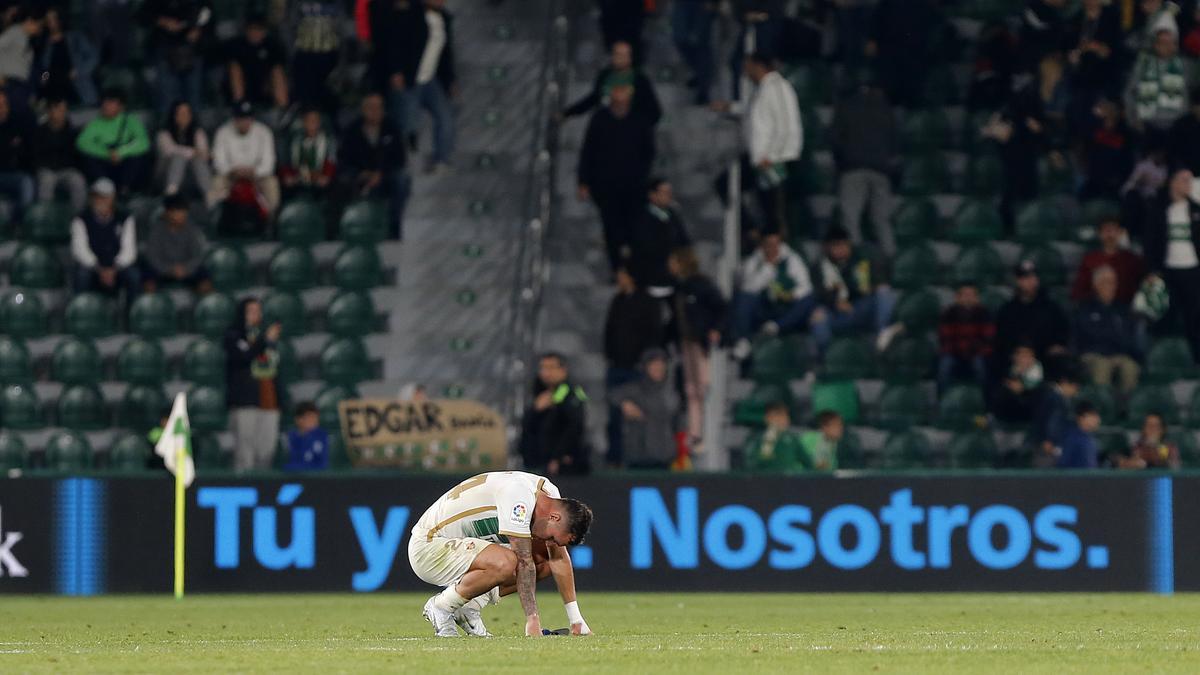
[{"x": 573, "y": 614}]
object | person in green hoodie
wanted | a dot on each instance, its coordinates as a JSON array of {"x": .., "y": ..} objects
[{"x": 114, "y": 145}]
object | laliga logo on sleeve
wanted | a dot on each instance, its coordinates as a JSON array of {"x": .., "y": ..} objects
[{"x": 520, "y": 514}]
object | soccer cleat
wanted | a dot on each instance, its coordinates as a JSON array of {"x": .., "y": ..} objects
[
  {"x": 469, "y": 618},
  {"x": 443, "y": 621}
]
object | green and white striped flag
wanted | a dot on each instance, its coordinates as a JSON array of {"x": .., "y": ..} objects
[{"x": 177, "y": 434}]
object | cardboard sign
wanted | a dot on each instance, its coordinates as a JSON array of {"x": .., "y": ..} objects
[{"x": 438, "y": 435}]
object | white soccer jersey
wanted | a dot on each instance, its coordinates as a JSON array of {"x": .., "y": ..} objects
[{"x": 491, "y": 506}]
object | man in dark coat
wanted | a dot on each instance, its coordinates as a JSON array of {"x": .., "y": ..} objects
[{"x": 554, "y": 429}]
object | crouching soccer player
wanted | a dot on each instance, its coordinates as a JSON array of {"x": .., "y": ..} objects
[{"x": 493, "y": 535}]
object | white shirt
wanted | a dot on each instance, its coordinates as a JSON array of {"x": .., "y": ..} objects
[
  {"x": 757, "y": 274},
  {"x": 771, "y": 124},
  {"x": 427, "y": 70},
  {"x": 81, "y": 249},
  {"x": 256, "y": 149},
  {"x": 491, "y": 506},
  {"x": 1181, "y": 252}
]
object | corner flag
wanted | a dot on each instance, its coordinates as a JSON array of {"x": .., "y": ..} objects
[{"x": 175, "y": 447}]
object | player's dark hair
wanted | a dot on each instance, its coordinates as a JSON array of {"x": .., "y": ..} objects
[{"x": 579, "y": 517}]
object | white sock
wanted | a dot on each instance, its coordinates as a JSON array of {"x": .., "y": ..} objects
[
  {"x": 449, "y": 600},
  {"x": 492, "y": 597}
]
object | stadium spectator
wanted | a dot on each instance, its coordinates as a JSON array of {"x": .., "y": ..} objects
[
  {"x": 648, "y": 406},
  {"x": 109, "y": 24},
  {"x": 1141, "y": 189},
  {"x": 104, "y": 245},
  {"x": 1094, "y": 50},
  {"x": 16, "y": 183},
  {"x": 1157, "y": 93},
  {"x": 633, "y": 326},
  {"x": 699, "y": 314},
  {"x": 1157, "y": 15},
  {"x": 308, "y": 443},
  {"x": 1078, "y": 446},
  {"x": 903, "y": 42},
  {"x": 760, "y": 26},
  {"x": 251, "y": 366},
  {"x": 317, "y": 39},
  {"x": 691, "y": 29},
  {"x": 554, "y": 428},
  {"x": 16, "y": 58},
  {"x": 852, "y": 23},
  {"x": 620, "y": 69},
  {"x": 427, "y": 75},
  {"x": 1052, "y": 416},
  {"x": 1019, "y": 392},
  {"x": 1152, "y": 450},
  {"x": 174, "y": 251},
  {"x": 373, "y": 158},
  {"x": 864, "y": 149},
  {"x": 1030, "y": 317},
  {"x": 309, "y": 163},
  {"x": 1184, "y": 147},
  {"x": 777, "y": 448},
  {"x": 254, "y": 67},
  {"x": 177, "y": 48},
  {"x": 114, "y": 144},
  {"x": 1108, "y": 152},
  {"x": 55, "y": 159},
  {"x": 183, "y": 152},
  {"x": 66, "y": 62},
  {"x": 244, "y": 165},
  {"x": 1128, "y": 266},
  {"x": 1044, "y": 29},
  {"x": 775, "y": 294},
  {"x": 1171, "y": 243},
  {"x": 821, "y": 444},
  {"x": 614, "y": 166},
  {"x": 995, "y": 64},
  {"x": 1106, "y": 334},
  {"x": 850, "y": 287},
  {"x": 965, "y": 333},
  {"x": 659, "y": 231}
]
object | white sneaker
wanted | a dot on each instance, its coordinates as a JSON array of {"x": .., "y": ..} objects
[
  {"x": 741, "y": 350},
  {"x": 469, "y": 618},
  {"x": 443, "y": 621}
]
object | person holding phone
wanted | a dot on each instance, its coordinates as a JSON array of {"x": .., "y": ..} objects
[{"x": 252, "y": 396}]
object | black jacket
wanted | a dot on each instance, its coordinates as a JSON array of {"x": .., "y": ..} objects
[
  {"x": 645, "y": 101},
  {"x": 1041, "y": 323},
  {"x": 651, "y": 242},
  {"x": 14, "y": 145},
  {"x": 400, "y": 32},
  {"x": 698, "y": 308},
  {"x": 1154, "y": 236},
  {"x": 617, "y": 153},
  {"x": 55, "y": 149},
  {"x": 558, "y": 432},
  {"x": 356, "y": 153},
  {"x": 1105, "y": 329},
  {"x": 634, "y": 324},
  {"x": 241, "y": 388}
]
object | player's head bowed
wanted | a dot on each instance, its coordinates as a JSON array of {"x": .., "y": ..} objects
[{"x": 567, "y": 523}]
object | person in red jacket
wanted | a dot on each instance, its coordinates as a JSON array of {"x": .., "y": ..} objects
[
  {"x": 965, "y": 332},
  {"x": 1129, "y": 266}
]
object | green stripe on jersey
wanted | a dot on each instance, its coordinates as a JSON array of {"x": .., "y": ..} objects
[{"x": 485, "y": 528}]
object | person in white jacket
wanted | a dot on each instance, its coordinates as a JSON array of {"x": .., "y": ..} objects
[
  {"x": 244, "y": 150},
  {"x": 104, "y": 245},
  {"x": 774, "y": 295}
]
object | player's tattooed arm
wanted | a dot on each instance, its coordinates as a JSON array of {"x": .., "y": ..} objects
[{"x": 527, "y": 583}]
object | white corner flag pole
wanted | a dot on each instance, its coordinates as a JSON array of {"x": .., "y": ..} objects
[
  {"x": 180, "y": 502},
  {"x": 174, "y": 446}
]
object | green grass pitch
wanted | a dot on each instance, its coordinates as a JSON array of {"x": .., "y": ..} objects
[{"x": 685, "y": 633}]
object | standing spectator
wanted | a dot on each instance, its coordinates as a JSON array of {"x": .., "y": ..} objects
[
  {"x": 634, "y": 325},
  {"x": 308, "y": 443},
  {"x": 1128, "y": 266},
  {"x": 699, "y": 314},
  {"x": 244, "y": 164},
  {"x": 1172, "y": 246},
  {"x": 1052, "y": 416},
  {"x": 254, "y": 66},
  {"x": 66, "y": 61},
  {"x": 965, "y": 333},
  {"x": 851, "y": 289},
  {"x": 251, "y": 366},
  {"x": 104, "y": 245},
  {"x": 308, "y": 166},
  {"x": 1094, "y": 50},
  {"x": 176, "y": 43},
  {"x": 109, "y": 24},
  {"x": 691, "y": 28},
  {"x": 316, "y": 25},
  {"x": 1106, "y": 334},
  {"x": 1141, "y": 189},
  {"x": 1079, "y": 448},
  {"x": 1107, "y": 152},
  {"x": 775, "y": 294},
  {"x": 1184, "y": 148},
  {"x": 1031, "y": 317},
  {"x": 554, "y": 428},
  {"x": 648, "y": 405},
  {"x": 114, "y": 144},
  {"x": 621, "y": 21},
  {"x": 1157, "y": 93},
  {"x": 903, "y": 39},
  {"x": 394, "y": 59},
  {"x": 620, "y": 69},
  {"x": 183, "y": 151},
  {"x": 15, "y": 163},
  {"x": 1152, "y": 449},
  {"x": 55, "y": 158},
  {"x": 16, "y": 59},
  {"x": 174, "y": 251},
  {"x": 373, "y": 159},
  {"x": 864, "y": 148},
  {"x": 659, "y": 231},
  {"x": 429, "y": 79},
  {"x": 614, "y": 166},
  {"x": 759, "y": 27}
]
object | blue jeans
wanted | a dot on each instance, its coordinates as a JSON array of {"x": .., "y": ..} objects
[
  {"x": 406, "y": 106},
  {"x": 176, "y": 85},
  {"x": 752, "y": 310},
  {"x": 872, "y": 311},
  {"x": 129, "y": 279},
  {"x": 614, "y": 378},
  {"x": 691, "y": 27},
  {"x": 18, "y": 187},
  {"x": 951, "y": 368},
  {"x": 395, "y": 187}
]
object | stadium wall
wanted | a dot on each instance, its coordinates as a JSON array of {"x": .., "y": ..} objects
[{"x": 982, "y": 532}]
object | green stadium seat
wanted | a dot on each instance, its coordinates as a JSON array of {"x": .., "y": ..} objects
[
  {"x": 142, "y": 361},
  {"x": 750, "y": 411},
  {"x": 925, "y": 175},
  {"x": 1055, "y": 180},
  {"x": 228, "y": 267},
  {"x": 849, "y": 358},
  {"x": 813, "y": 82},
  {"x": 35, "y": 266},
  {"x": 985, "y": 176},
  {"x": 301, "y": 223},
  {"x": 816, "y": 136},
  {"x": 12, "y": 451},
  {"x": 292, "y": 268},
  {"x": 287, "y": 309},
  {"x": 357, "y": 268},
  {"x": 779, "y": 360},
  {"x": 213, "y": 315},
  {"x": 980, "y": 264},
  {"x": 973, "y": 450},
  {"x": 962, "y": 408},
  {"x": 130, "y": 452},
  {"x": 152, "y": 316},
  {"x": 1102, "y": 398},
  {"x": 915, "y": 221},
  {"x": 1111, "y": 443},
  {"x": 16, "y": 367},
  {"x": 925, "y": 131},
  {"x": 206, "y": 409},
  {"x": 1189, "y": 450},
  {"x": 68, "y": 451},
  {"x": 1040, "y": 222},
  {"x": 907, "y": 450},
  {"x": 142, "y": 407},
  {"x": 21, "y": 315},
  {"x": 994, "y": 299},
  {"x": 840, "y": 396},
  {"x": 204, "y": 363},
  {"x": 351, "y": 314},
  {"x": 345, "y": 361},
  {"x": 1169, "y": 359},
  {"x": 364, "y": 222},
  {"x": 908, "y": 359},
  {"x": 977, "y": 222},
  {"x": 1152, "y": 398},
  {"x": 1051, "y": 268},
  {"x": 327, "y": 405},
  {"x": 289, "y": 363},
  {"x": 76, "y": 361},
  {"x": 207, "y": 452},
  {"x": 850, "y": 452},
  {"x": 19, "y": 407},
  {"x": 48, "y": 222},
  {"x": 916, "y": 266},
  {"x": 90, "y": 315},
  {"x": 901, "y": 406},
  {"x": 807, "y": 177},
  {"x": 81, "y": 407},
  {"x": 918, "y": 310}
]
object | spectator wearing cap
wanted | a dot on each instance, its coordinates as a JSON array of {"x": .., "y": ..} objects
[
  {"x": 1106, "y": 334},
  {"x": 104, "y": 245},
  {"x": 183, "y": 152},
  {"x": 965, "y": 333},
  {"x": 853, "y": 291},
  {"x": 114, "y": 145},
  {"x": 1128, "y": 266},
  {"x": 244, "y": 156},
  {"x": 16, "y": 57},
  {"x": 16, "y": 183},
  {"x": 648, "y": 406},
  {"x": 308, "y": 165},
  {"x": 174, "y": 251},
  {"x": 55, "y": 158},
  {"x": 373, "y": 158},
  {"x": 634, "y": 324},
  {"x": 774, "y": 294},
  {"x": 1030, "y": 317},
  {"x": 864, "y": 148},
  {"x": 659, "y": 231},
  {"x": 1171, "y": 242},
  {"x": 254, "y": 66},
  {"x": 620, "y": 69},
  {"x": 1157, "y": 93},
  {"x": 177, "y": 45}
]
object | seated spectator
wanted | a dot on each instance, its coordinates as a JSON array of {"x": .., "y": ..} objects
[
  {"x": 308, "y": 166},
  {"x": 254, "y": 66},
  {"x": 244, "y": 164},
  {"x": 55, "y": 158},
  {"x": 633, "y": 326},
  {"x": 1108, "y": 152},
  {"x": 853, "y": 293},
  {"x": 308, "y": 443},
  {"x": 774, "y": 295},
  {"x": 251, "y": 392},
  {"x": 620, "y": 67},
  {"x": 779, "y": 448},
  {"x": 1078, "y": 448},
  {"x": 104, "y": 245},
  {"x": 373, "y": 160},
  {"x": 1031, "y": 317},
  {"x": 698, "y": 316},
  {"x": 648, "y": 406},
  {"x": 1152, "y": 449},
  {"x": 1052, "y": 417},
  {"x": 1157, "y": 93},
  {"x": 554, "y": 428},
  {"x": 66, "y": 61},
  {"x": 1017, "y": 396},
  {"x": 183, "y": 151},
  {"x": 965, "y": 332},
  {"x": 177, "y": 49},
  {"x": 821, "y": 444},
  {"x": 864, "y": 149},
  {"x": 15, "y": 161},
  {"x": 659, "y": 231},
  {"x": 114, "y": 144},
  {"x": 1106, "y": 335},
  {"x": 316, "y": 44},
  {"x": 1171, "y": 243},
  {"x": 16, "y": 58},
  {"x": 1128, "y": 266},
  {"x": 174, "y": 251}
]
